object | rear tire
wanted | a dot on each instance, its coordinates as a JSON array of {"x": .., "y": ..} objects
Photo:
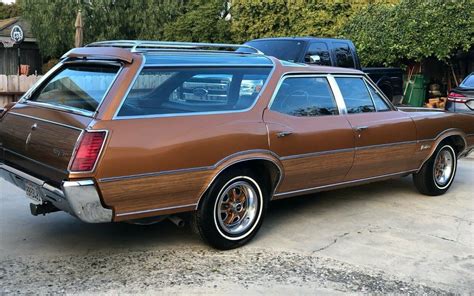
[
  {"x": 232, "y": 210},
  {"x": 437, "y": 174}
]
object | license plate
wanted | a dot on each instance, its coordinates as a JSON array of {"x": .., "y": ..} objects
[{"x": 33, "y": 192}]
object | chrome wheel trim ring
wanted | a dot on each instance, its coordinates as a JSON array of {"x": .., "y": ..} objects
[
  {"x": 444, "y": 167},
  {"x": 231, "y": 232}
]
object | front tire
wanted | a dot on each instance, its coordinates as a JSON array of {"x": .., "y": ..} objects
[
  {"x": 437, "y": 174},
  {"x": 232, "y": 210}
]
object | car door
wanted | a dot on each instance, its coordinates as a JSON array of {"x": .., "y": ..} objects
[
  {"x": 385, "y": 139},
  {"x": 306, "y": 129}
]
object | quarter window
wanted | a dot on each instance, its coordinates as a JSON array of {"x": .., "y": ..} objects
[
  {"x": 193, "y": 90},
  {"x": 344, "y": 57},
  {"x": 356, "y": 95},
  {"x": 305, "y": 96},
  {"x": 380, "y": 104}
]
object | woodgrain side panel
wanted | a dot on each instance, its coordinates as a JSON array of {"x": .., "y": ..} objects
[
  {"x": 153, "y": 193},
  {"x": 139, "y": 197},
  {"x": 315, "y": 171},
  {"x": 382, "y": 160}
]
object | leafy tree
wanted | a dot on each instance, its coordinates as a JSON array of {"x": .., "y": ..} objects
[
  {"x": 259, "y": 18},
  {"x": 412, "y": 30},
  {"x": 203, "y": 21},
  {"x": 9, "y": 10},
  {"x": 273, "y": 18},
  {"x": 53, "y": 22}
]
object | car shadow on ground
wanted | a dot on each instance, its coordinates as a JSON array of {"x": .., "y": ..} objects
[{"x": 61, "y": 232}]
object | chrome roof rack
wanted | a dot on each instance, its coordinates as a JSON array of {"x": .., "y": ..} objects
[{"x": 145, "y": 46}]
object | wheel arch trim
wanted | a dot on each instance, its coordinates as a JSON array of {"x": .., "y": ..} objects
[
  {"x": 267, "y": 156},
  {"x": 441, "y": 137}
]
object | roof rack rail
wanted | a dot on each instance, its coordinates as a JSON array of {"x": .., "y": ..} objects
[{"x": 144, "y": 45}]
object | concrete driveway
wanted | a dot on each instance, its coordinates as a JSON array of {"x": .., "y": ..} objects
[{"x": 377, "y": 238}]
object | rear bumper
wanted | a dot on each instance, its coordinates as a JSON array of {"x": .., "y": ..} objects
[{"x": 79, "y": 198}]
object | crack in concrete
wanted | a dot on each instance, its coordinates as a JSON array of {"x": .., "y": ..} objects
[{"x": 331, "y": 243}]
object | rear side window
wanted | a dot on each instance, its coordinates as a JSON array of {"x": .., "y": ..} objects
[
  {"x": 81, "y": 87},
  {"x": 287, "y": 50},
  {"x": 304, "y": 97},
  {"x": 380, "y": 103},
  {"x": 356, "y": 95},
  {"x": 344, "y": 57},
  {"x": 159, "y": 91},
  {"x": 320, "y": 49}
]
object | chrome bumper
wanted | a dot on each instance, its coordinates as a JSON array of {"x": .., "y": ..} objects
[{"x": 79, "y": 198}]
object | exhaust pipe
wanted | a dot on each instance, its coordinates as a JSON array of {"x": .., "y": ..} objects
[
  {"x": 177, "y": 221},
  {"x": 42, "y": 209}
]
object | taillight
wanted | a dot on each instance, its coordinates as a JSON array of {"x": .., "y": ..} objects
[
  {"x": 457, "y": 98},
  {"x": 88, "y": 151}
]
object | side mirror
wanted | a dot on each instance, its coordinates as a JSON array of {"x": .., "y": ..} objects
[{"x": 314, "y": 59}]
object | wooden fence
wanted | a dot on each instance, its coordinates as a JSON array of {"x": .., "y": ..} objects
[{"x": 13, "y": 86}]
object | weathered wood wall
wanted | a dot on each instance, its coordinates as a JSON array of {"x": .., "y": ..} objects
[
  {"x": 29, "y": 53},
  {"x": 15, "y": 83}
]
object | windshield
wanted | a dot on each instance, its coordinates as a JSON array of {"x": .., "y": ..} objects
[
  {"x": 81, "y": 87},
  {"x": 469, "y": 81},
  {"x": 288, "y": 50}
]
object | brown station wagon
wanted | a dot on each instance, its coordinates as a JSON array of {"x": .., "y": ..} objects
[{"x": 139, "y": 131}]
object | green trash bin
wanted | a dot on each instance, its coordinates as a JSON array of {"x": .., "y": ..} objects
[{"x": 415, "y": 94}]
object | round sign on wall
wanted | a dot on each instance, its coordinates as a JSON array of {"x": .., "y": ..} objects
[{"x": 17, "y": 35}]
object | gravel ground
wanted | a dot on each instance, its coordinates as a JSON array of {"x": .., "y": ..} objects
[
  {"x": 373, "y": 239},
  {"x": 176, "y": 270}
]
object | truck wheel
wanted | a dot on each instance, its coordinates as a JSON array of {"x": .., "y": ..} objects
[
  {"x": 232, "y": 210},
  {"x": 437, "y": 174}
]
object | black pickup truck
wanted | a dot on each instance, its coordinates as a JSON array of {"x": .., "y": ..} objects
[{"x": 330, "y": 52}]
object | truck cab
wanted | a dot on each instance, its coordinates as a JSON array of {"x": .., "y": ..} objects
[{"x": 330, "y": 52}]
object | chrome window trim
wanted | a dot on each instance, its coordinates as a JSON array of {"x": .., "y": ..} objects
[
  {"x": 360, "y": 76},
  {"x": 55, "y": 70},
  {"x": 370, "y": 95},
  {"x": 60, "y": 108},
  {"x": 340, "y": 108},
  {"x": 129, "y": 88},
  {"x": 384, "y": 98},
  {"x": 367, "y": 80},
  {"x": 337, "y": 94},
  {"x": 44, "y": 120},
  {"x": 116, "y": 117}
]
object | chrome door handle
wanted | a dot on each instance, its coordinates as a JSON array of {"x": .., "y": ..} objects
[
  {"x": 361, "y": 128},
  {"x": 284, "y": 134}
]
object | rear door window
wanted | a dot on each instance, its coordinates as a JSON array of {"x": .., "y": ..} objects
[
  {"x": 355, "y": 94},
  {"x": 305, "y": 97},
  {"x": 320, "y": 49},
  {"x": 160, "y": 91},
  {"x": 344, "y": 56},
  {"x": 80, "y": 87}
]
